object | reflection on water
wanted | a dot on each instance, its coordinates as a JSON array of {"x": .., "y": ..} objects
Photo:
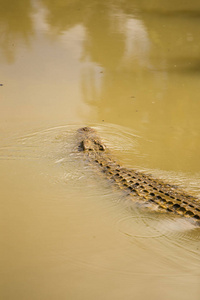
[
  {"x": 16, "y": 26},
  {"x": 130, "y": 69}
]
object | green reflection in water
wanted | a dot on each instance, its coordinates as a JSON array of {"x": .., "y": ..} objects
[
  {"x": 16, "y": 26},
  {"x": 140, "y": 62}
]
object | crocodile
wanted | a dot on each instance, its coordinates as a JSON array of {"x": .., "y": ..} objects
[{"x": 143, "y": 187}]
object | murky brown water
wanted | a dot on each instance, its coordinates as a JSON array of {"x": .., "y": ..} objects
[{"x": 130, "y": 69}]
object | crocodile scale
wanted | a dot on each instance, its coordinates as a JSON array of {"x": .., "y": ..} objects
[{"x": 147, "y": 189}]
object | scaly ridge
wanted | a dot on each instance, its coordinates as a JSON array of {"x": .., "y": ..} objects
[{"x": 150, "y": 190}]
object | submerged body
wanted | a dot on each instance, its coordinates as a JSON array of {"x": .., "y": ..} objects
[{"x": 143, "y": 187}]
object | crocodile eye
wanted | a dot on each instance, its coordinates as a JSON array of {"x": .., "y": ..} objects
[
  {"x": 83, "y": 146},
  {"x": 88, "y": 145},
  {"x": 99, "y": 144},
  {"x": 101, "y": 147}
]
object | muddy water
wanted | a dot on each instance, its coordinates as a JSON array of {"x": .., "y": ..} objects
[{"x": 131, "y": 70}]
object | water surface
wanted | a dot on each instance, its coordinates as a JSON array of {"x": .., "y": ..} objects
[{"x": 130, "y": 69}]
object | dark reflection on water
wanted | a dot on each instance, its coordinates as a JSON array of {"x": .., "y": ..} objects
[
  {"x": 16, "y": 26},
  {"x": 103, "y": 21}
]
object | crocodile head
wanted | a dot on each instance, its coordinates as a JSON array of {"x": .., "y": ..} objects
[{"x": 89, "y": 140}]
